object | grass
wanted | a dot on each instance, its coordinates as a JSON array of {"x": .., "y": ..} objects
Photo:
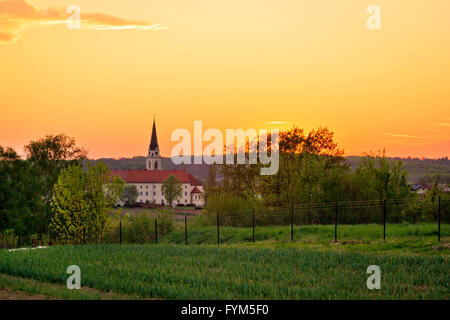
[
  {"x": 253, "y": 271},
  {"x": 18, "y": 285},
  {"x": 414, "y": 265},
  {"x": 152, "y": 212},
  {"x": 407, "y": 238},
  {"x": 177, "y": 213}
]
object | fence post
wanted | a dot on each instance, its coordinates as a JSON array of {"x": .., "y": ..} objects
[
  {"x": 335, "y": 222},
  {"x": 120, "y": 232},
  {"x": 253, "y": 225},
  {"x": 156, "y": 230},
  {"x": 185, "y": 229},
  {"x": 292, "y": 221},
  {"x": 384, "y": 219},
  {"x": 439, "y": 220},
  {"x": 218, "y": 231}
]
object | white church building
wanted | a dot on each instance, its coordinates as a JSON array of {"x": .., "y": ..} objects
[{"x": 149, "y": 181}]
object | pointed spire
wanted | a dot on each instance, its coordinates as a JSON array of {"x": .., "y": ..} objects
[{"x": 154, "y": 140}]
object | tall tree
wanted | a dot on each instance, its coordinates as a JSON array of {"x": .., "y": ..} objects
[
  {"x": 387, "y": 179},
  {"x": 70, "y": 205},
  {"x": 172, "y": 189},
  {"x": 83, "y": 202},
  {"x": 212, "y": 175},
  {"x": 130, "y": 194},
  {"x": 49, "y": 155},
  {"x": 304, "y": 161},
  {"x": 241, "y": 179},
  {"x": 20, "y": 195}
]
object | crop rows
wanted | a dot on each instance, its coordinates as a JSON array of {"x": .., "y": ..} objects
[{"x": 207, "y": 272}]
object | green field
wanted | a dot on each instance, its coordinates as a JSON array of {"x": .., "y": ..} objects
[
  {"x": 413, "y": 265},
  {"x": 310, "y": 233}
]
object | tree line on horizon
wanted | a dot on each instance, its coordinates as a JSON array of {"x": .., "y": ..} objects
[
  {"x": 312, "y": 169},
  {"x": 420, "y": 171},
  {"x": 55, "y": 188}
]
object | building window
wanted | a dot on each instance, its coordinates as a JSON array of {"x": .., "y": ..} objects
[
  {"x": 154, "y": 193},
  {"x": 185, "y": 193},
  {"x": 146, "y": 193},
  {"x": 141, "y": 187},
  {"x": 185, "y": 200},
  {"x": 146, "y": 186},
  {"x": 140, "y": 193},
  {"x": 185, "y": 186}
]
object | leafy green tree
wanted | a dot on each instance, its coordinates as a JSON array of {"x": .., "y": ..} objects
[
  {"x": 305, "y": 160},
  {"x": 241, "y": 180},
  {"x": 70, "y": 205},
  {"x": 104, "y": 192},
  {"x": 83, "y": 202},
  {"x": 50, "y": 155},
  {"x": 385, "y": 179},
  {"x": 171, "y": 189},
  {"x": 130, "y": 194},
  {"x": 20, "y": 195}
]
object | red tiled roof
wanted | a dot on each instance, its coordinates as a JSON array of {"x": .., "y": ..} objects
[
  {"x": 194, "y": 181},
  {"x": 196, "y": 190},
  {"x": 154, "y": 176}
]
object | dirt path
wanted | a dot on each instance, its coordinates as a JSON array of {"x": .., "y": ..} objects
[
  {"x": 18, "y": 288},
  {"x": 6, "y": 294}
]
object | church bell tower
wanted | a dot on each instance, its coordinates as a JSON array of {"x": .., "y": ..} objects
[{"x": 154, "y": 161}]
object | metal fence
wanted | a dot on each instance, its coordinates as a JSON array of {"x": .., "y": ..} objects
[{"x": 379, "y": 212}]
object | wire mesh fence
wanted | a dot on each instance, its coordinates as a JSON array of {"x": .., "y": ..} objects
[
  {"x": 337, "y": 215},
  {"x": 319, "y": 221}
]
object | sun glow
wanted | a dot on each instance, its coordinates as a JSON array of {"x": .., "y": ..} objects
[{"x": 300, "y": 63}]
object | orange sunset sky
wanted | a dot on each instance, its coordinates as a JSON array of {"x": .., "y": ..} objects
[{"x": 231, "y": 64}]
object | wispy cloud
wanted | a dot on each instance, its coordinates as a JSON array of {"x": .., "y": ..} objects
[
  {"x": 443, "y": 124},
  {"x": 18, "y": 15},
  {"x": 400, "y": 135},
  {"x": 277, "y": 122}
]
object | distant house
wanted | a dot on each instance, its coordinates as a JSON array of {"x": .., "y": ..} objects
[
  {"x": 419, "y": 188},
  {"x": 443, "y": 187},
  {"x": 424, "y": 188},
  {"x": 197, "y": 197},
  {"x": 149, "y": 181}
]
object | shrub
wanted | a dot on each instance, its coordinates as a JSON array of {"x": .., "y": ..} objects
[{"x": 140, "y": 228}]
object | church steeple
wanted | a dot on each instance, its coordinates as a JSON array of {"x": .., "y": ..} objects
[
  {"x": 154, "y": 140},
  {"x": 154, "y": 161}
]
